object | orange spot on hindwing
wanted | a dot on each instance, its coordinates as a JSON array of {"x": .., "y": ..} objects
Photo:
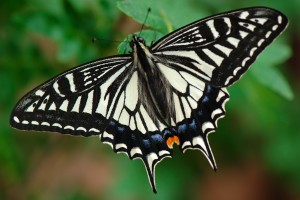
[{"x": 171, "y": 140}]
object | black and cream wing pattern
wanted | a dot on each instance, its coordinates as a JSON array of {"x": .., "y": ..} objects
[{"x": 171, "y": 92}]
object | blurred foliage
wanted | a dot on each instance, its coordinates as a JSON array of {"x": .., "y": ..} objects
[{"x": 40, "y": 39}]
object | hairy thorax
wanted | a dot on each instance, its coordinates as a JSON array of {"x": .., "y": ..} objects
[{"x": 155, "y": 92}]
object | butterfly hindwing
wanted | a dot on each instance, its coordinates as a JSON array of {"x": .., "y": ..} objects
[
  {"x": 198, "y": 106},
  {"x": 193, "y": 131}
]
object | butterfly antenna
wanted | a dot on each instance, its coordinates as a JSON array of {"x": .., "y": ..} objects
[{"x": 148, "y": 11}]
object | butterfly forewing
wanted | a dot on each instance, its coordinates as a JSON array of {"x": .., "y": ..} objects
[
  {"x": 115, "y": 99},
  {"x": 72, "y": 102},
  {"x": 222, "y": 47}
]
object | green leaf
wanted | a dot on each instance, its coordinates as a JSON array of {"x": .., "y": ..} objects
[
  {"x": 138, "y": 10},
  {"x": 265, "y": 72},
  {"x": 162, "y": 16}
]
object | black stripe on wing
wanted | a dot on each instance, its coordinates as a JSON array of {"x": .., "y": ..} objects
[{"x": 224, "y": 45}]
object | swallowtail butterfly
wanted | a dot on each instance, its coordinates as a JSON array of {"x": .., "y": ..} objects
[{"x": 171, "y": 92}]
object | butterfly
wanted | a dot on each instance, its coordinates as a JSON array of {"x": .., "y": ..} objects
[{"x": 172, "y": 92}]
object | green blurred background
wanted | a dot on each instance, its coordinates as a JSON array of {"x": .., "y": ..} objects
[{"x": 257, "y": 145}]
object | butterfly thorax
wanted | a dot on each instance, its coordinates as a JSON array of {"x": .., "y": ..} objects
[{"x": 154, "y": 90}]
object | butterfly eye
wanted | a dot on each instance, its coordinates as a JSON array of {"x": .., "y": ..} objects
[{"x": 140, "y": 39}]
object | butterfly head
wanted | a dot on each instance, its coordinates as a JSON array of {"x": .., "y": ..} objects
[{"x": 137, "y": 41}]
